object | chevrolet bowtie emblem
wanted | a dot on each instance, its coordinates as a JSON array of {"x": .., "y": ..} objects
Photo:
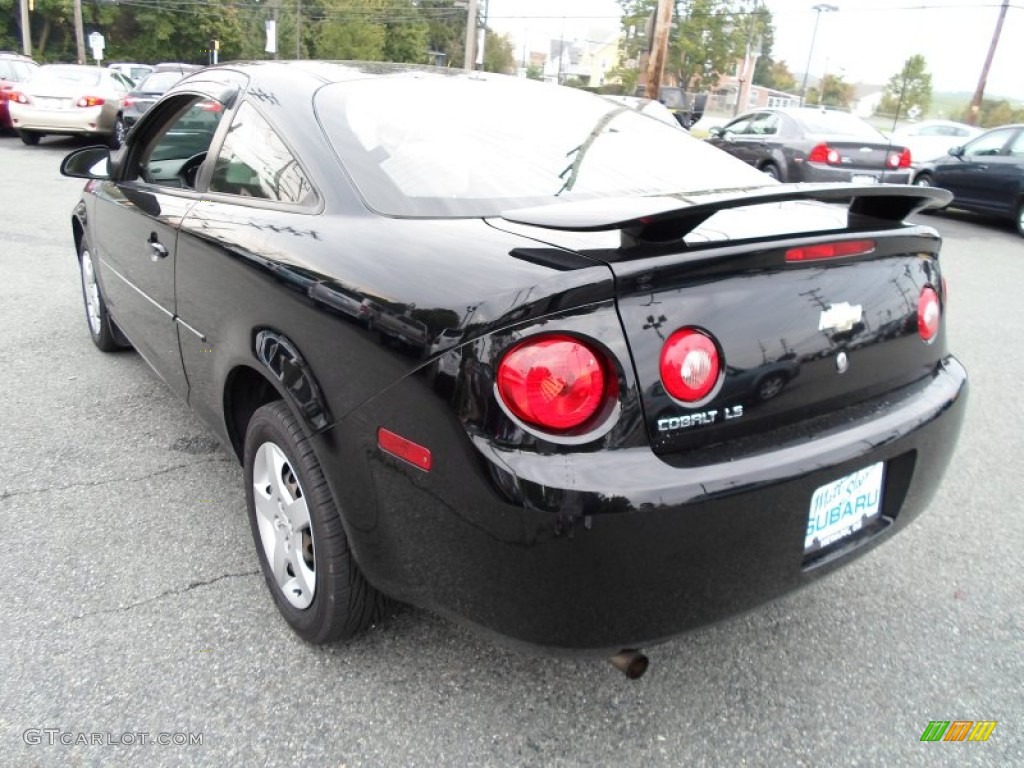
[{"x": 840, "y": 317}]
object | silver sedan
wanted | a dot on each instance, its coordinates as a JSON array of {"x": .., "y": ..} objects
[{"x": 70, "y": 100}]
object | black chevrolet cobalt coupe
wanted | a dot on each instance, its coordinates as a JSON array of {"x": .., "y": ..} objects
[{"x": 501, "y": 349}]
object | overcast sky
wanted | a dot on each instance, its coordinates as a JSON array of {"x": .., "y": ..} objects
[{"x": 865, "y": 40}]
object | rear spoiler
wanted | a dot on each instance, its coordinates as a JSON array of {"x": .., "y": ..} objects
[{"x": 667, "y": 217}]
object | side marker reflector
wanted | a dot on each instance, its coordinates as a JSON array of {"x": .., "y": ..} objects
[{"x": 404, "y": 449}]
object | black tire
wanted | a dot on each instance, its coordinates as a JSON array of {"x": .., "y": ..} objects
[
  {"x": 102, "y": 330},
  {"x": 770, "y": 386},
  {"x": 342, "y": 603},
  {"x": 771, "y": 170},
  {"x": 31, "y": 138},
  {"x": 925, "y": 180},
  {"x": 116, "y": 138}
]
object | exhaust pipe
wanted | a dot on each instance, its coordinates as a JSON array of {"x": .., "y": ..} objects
[{"x": 631, "y": 663}]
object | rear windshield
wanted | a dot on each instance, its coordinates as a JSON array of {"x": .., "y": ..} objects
[
  {"x": 836, "y": 124},
  {"x": 158, "y": 82},
  {"x": 456, "y": 145},
  {"x": 57, "y": 73}
]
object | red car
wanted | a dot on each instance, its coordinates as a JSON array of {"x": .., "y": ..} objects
[{"x": 14, "y": 68}]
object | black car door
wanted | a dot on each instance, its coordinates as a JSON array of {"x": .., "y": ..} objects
[
  {"x": 1000, "y": 192},
  {"x": 137, "y": 217},
  {"x": 970, "y": 176},
  {"x": 735, "y": 140}
]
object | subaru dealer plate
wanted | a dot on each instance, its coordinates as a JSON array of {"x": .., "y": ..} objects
[{"x": 843, "y": 507}]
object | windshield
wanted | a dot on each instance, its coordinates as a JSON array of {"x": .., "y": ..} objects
[
  {"x": 158, "y": 82},
  {"x": 444, "y": 145},
  {"x": 835, "y": 123},
  {"x": 57, "y": 73}
]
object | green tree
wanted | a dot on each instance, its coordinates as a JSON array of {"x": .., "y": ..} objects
[
  {"x": 350, "y": 30},
  {"x": 832, "y": 91},
  {"x": 405, "y": 33},
  {"x": 910, "y": 87},
  {"x": 775, "y": 75},
  {"x": 446, "y": 29},
  {"x": 498, "y": 54},
  {"x": 533, "y": 72},
  {"x": 708, "y": 38},
  {"x": 995, "y": 113}
]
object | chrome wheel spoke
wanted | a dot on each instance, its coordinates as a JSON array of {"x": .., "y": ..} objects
[
  {"x": 279, "y": 565},
  {"x": 92, "y": 293},
  {"x": 298, "y": 513}
]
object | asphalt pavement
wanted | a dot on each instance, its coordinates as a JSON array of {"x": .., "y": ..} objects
[{"x": 135, "y": 628}]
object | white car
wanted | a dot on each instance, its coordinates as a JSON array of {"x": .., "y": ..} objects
[{"x": 931, "y": 139}]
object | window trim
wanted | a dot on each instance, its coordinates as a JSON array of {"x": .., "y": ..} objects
[{"x": 206, "y": 173}]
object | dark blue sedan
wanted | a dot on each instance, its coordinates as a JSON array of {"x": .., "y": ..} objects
[{"x": 985, "y": 175}]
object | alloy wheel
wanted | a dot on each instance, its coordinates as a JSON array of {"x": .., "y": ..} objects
[
  {"x": 285, "y": 532},
  {"x": 92, "y": 294}
]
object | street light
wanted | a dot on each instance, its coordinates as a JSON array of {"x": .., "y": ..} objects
[{"x": 810, "y": 54}]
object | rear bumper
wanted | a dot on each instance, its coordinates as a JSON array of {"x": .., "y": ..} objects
[
  {"x": 816, "y": 172},
  {"x": 87, "y": 120},
  {"x": 603, "y": 550}
]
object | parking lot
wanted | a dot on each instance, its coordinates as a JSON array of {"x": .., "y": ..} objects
[{"x": 133, "y": 603}]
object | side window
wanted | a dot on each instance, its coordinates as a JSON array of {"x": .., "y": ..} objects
[
  {"x": 738, "y": 127},
  {"x": 988, "y": 144},
  {"x": 765, "y": 124},
  {"x": 1017, "y": 147},
  {"x": 173, "y": 157},
  {"x": 254, "y": 162}
]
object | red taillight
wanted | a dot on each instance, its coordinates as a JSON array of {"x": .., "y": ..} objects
[
  {"x": 90, "y": 101},
  {"x": 128, "y": 102},
  {"x": 823, "y": 153},
  {"x": 830, "y": 250},
  {"x": 928, "y": 313},
  {"x": 17, "y": 96},
  {"x": 690, "y": 365},
  {"x": 556, "y": 383},
  {"x": 405, "y": 449},
  {"x": 209, "y": 106},
  {"x": 905, "y": 158}
]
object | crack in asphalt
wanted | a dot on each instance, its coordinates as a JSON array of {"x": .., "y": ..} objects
[
  {"x": 166, "y": 593},
  {"x": 6, "y": 494}
]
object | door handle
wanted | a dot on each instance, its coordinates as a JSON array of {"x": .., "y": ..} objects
[{"x": 157, "y": 250}]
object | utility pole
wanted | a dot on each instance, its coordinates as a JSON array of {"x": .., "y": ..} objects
[
  {"x": 659, "y": 50},
  {"x": 79, "y": 32},
  {"x": 26, "y": 30},
  {"x": 470, "y": 61},
  {"x": 979, "y": 93}
]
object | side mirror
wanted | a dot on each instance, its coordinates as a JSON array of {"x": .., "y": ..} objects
[
  {"x": 716, "y": 132},
  {"x": 87, "y": 163},
  {"x": 956, "y": 152}
]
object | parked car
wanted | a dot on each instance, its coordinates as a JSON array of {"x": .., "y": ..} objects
[
  {"x": 648, "y": 107},
  {"x": 145, "y": 94},
  {"x": 70, "y": 100},
  {"x": 14, "y": 69},
  {"x": 985, "y": 175},
  {"x": 582, "y": 480},
  {"x": 686, "y": 108},
  {"x": 813, "y": 144},
  {"x": 931, "y": 139},
  {"x": 177, "y": 66},
  {"x": 134, "y": 72}
]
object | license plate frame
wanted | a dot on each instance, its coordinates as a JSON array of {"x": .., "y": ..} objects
[{"x": 840, "y": 509}]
